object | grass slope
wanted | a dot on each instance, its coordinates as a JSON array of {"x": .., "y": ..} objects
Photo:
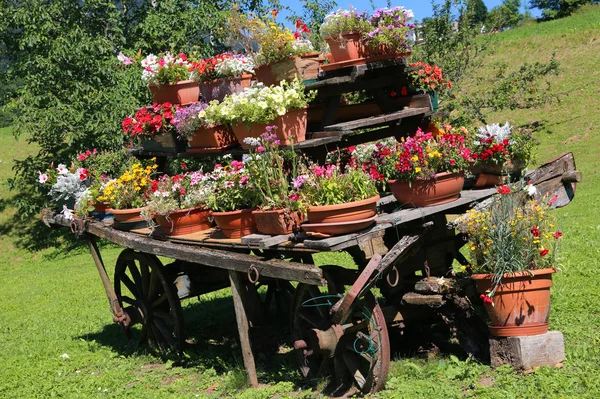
[{"x": 53, "y": 304}]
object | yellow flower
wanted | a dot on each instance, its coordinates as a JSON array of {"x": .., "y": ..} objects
[
  {"x": 418, "y": 170},
  {"x": 415, "y": 158}
]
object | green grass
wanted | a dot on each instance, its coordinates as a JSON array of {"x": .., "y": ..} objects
[{"x": 52, "y": 303}]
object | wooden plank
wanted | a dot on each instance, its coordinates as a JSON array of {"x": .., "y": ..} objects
[
  {"x": 527, "y": 352},
  {"x": 412, "y": 298},
  {"x": 337, "y": 243},
  {"x": 265, "y": 241},
  {"x": 291, "y": 271},
  {"x": 411, "y": 214},
  {"x": 243, "y": 328},
  {"x": 379, "y": 120},
  {"x": 556, "y": 167}
]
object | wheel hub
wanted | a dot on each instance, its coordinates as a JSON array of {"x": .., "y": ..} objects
[{"x": 320, "y": 341}]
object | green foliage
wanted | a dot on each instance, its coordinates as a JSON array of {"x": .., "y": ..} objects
[
  {"x": 314, "y": 12},
  {"x": 552, "y": 9},
  {"x": 505, "y": 15},
  {"x": 328, "y": 186},
  {"x": 478, "y": 11}
]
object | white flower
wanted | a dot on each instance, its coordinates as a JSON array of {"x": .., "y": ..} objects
[
  {"x": 64, "y": 355},
  {"x": 62, "y": 169},
  {"x": 531, "y": 190},
  {"x": 281, "y": 111},
  {"x": 252, "y": 141},
  {"x": 262, "y": 104},
  {"x": 43, "y": 178},
  {"x": 69, "y": 216}
]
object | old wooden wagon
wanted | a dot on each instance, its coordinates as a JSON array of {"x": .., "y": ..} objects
[{"x": 339, "y": 327}]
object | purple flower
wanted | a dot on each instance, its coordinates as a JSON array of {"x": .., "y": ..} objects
[{"x": 391, "y": 27}]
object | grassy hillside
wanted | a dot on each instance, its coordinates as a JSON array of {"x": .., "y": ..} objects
[{"x": 53, "y": 303}]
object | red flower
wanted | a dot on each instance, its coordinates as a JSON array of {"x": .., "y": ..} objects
[
  {"x": 544, "y": 252},
  {"x": 486, "y": 299},
  {"x": 296, "y": 35},
  {"x": 154, "y": 185},
  {"x": 535, "y": 231},
  {"x": 274, "y": 13},
  {"x": 294, "y": 197},
  {"x": 404, "y": 91},
  {"x": 393, "y": 94},
  {"x": 298, "y": 23},
  {"x": 183, "y": 56},
  {"x": 81, "y": 157},
  {"x": 503, "y": 190},
  {"x": 558, "y": 234},
  {"x": 183, "y": 165}
]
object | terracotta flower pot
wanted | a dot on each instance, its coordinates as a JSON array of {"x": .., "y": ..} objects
[
  {"x": 218, "y": 89},
  {"x": 493, "y": 175},
  {"x": 127, "y": 215},
  {"x": 164, "y": 142},
  {"x": 235, "y": 224},
  {"x": 184, "y": 92},
  {"x": 521, "y": 303},
  {"x": 213, "y": 137},
  {"x": 292, "y": 124},
  {"x": 443, "y": 188},
  {"x": 277, "y": 222},
  {"x": 323, "y": 230},
  {"x": 352, "y": 211},
  {"x": 100, "y": 207},
  {"x": 345, "y": 48},
  {"x": 184, "y": 221},
  {"x": 306, "y": 68}
]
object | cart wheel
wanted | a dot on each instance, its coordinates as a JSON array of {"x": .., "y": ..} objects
[
  {"x": 356, "y": 354},
  {"x": 150, "y": 299}
]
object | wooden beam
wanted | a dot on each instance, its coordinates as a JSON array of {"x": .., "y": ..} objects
[
  {"x": 242, "y": 322},
  {"x": 379, "y": 120}
]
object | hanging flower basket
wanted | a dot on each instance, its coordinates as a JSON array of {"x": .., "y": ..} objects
[
  {"x": 235, "y": 224},
  {"x": 521, "y": 304},
  {"x": 291, "y": 127},
  {"x": 185, "y": 221},
  {"x": 212, "y": 138},
  {"x": 443, "y": 188},
  {"x": 218, "y": 89},
  {"x": 182, "y": 93}
]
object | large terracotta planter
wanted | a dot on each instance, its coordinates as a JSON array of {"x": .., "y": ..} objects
[
  {"x": 184, "y": 92},
  {"x": 346, "y": 47},
  {"x": 493, "y": 175},
  {"x": 184, "y": 221},
  {"x": 352, "y": 211},
  {"x": 212, "y": 138},
  {"x": 277, "y": 221},
  {"x": 443, "y": 188},
  {"x": 521, "y": 303},
  {"x": 235, "y": 224},
  {"x": 306, "y": 68},
  {"x": 218, "y": 89},
  {"x": 291, "y": 127}
]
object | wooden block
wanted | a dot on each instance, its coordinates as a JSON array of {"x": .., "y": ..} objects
[
  {"x": 434, "y": 285},
  {"x": 265, "y": 241},
  {"x": 412, "y": 298},
  {"x": 525, "y": 353}
]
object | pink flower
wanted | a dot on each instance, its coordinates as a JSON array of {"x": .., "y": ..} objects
[
  {"x": 83, "y": 173},
  {"x": 94, "y": 151},
  {"x": 229, "y": 184},
  {"x": 244, "y": 179},
  {"x": 299, "y": 181},
  {"x": 260, "y": 148},
  {"x": 319, "y": 170},
  {"x": 558, "y": 234},
  {"x": 294, "y": 197},
  {"x": 237, "y": 165},
  {"x": 182, "y": 191},
  {"x": 81, "y": 157},
  {"x": 161, "y": 62},
  {"x": 43, "y": 178}
]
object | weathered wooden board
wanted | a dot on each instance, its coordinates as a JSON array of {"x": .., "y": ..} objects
[
  {"x": 265, "y": 241},
  {"x": 337, "y": 243},
  {"x": 379, "y": 120},
  {"x": 525, "y": 353}
]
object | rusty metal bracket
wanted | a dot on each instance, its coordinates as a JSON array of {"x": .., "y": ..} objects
[
  {"x": 251, "y": 269},
  {"x": 396, "y": 278},
  {"x": 78, "y": 227}
]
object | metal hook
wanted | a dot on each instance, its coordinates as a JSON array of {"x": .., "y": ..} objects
[
  {"x": 251, "y": 269},
  {"x": 397, "y": 278}
]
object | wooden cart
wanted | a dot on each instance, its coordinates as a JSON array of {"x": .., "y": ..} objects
[{"x": 340, "y": 329}]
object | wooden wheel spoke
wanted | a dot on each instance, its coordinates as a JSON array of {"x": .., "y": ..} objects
[
  {"x": 353, "y": 365},
  {"x": 310, "y": 319},
  {"x": 128, "y": 300},
  {"x": 135, "y": 273},
  {"x": 165, "y": 332},
  {"x": 145, "y": 279},
  {"x": 154, "y": 288},
  {"x": 159, "y": 301},
  {"x": 130, "y": 285},
  {"x": 315, "y": 293},
  {"x": 166, "y": 317}
]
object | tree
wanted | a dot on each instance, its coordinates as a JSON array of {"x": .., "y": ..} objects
[
  {"x": 505, "y": 15},
  {"x": 477, "y": 10},
  {"x": 559, "y": 8}
]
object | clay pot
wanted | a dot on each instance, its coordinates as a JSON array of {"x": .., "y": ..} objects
[
  {"x": 305, "y": 67},
  {"x": 182, "y": 93},
  {"x": 487, "y": 180},
  {"x": 293, "y": 123},
  {"x": 347, "y": 47},
  {"x": 521, "y": 302},
  {"x": 443, "y": 188},
  {"x": 212, "y": 137},
  {"x": 235, "y": 224},
  {"x": 352, "y": 211},
  {"x": 328, "y": 229},
  {"x": 277, "y": 221},
  {"x": 164, "y": 142},
  {"x": 184, "y": 221},
  {"x": 493, "y": 175},
  {"x": 100, "y": 207},
  {"x": 218, "y": 89},
  {"x": 127, "y": 215}
]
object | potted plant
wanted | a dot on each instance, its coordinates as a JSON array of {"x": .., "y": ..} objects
[
  {"x": 427, "y": 170},
  {"x": 274, "y": 174},
  {"x": 178, "y": 203},
  {"x": 343, "y": 30},
  {"x": 426, "y": 78},
  {"x": 152, "y": 127},
  {"x": 127, "y": 194},
  {"x": 67, "y": 185},
  {"x": 203, "y": 136},
  {"x": 232, "y": 200},
  {"x": 513, "y": 244},
  {"x": 250, "y": 111},
  {"x": 222, "y": 75},
  {"x": 390, "y": 32},
  {"x": 338, "y": 202},
  {"x": 168, "y": 79},
  {"x": 499, "y": 152}
]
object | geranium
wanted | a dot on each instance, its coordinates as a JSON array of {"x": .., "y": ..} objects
[
  {"x": 259, "y": 104},
  {"x": 130, "y": 190},
  {"x": 423, "y": 155},
  {"x": 274, "y": 172},
  {"x": 149, "y": 121},
  {"x": 390, "y": 31},
  {"x": 165, "y": 68},
  {"x": 516, "y": 233},
  {"x": 345, "y": 21},
  {"x": 495, "y": 145},
  {"x": 182, "y": 191},
  {"x": 327, "y": 185},
  {"x": 231, "y": 190},
  {"x": 224, "y": 65},
  {"x": 427, "y": 78}
]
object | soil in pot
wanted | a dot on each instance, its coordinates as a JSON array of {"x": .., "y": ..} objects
[
  {"x": 278, "y": 221},
  {"x": 521, "y": 303},
  {"x": 350, "y": 212},
  {"x": 182, "y": 93},
  {"x": 235, "y": 224},
  {"x": 443, "y": 188},
  {"x": 184, "y": 221},
  {"x": 212, "y": 137},
  {"x": 291, "y": 127}
]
